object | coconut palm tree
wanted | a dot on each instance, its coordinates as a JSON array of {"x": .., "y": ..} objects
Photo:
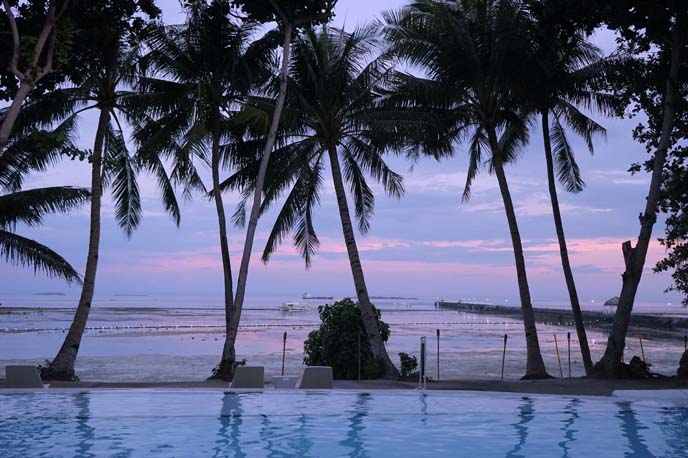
[
  {"x": 30, "y": 207},
  {"x": 334, "y": 113},
  {"x": 566, "y": 65},
  {"x": 474, "y": 53},
  {"x": 198, "y": 76},
  {"x": 107, "y": 73}
]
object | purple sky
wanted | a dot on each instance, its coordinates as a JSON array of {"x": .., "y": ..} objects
[{"x": 427, "y": 244}]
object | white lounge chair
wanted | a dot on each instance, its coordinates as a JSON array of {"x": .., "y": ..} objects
[
  {"x": 316, "y": 378},
  {"x": 23, "y": 377},
  {"x": 249, "y": 377}
]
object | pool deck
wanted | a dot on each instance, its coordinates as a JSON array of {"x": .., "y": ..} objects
[{"x": 573, "y": 387}]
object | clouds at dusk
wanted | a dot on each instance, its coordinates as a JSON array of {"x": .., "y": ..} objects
[{"x": 426, "y": 244}]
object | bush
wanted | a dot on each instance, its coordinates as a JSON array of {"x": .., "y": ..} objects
[
  {"x": 408, "y": 364},
  {"x": 335, "y": 343}
]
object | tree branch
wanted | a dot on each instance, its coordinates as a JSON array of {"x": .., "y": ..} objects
[
  {"x": 45, "y": 34},
  {"x": 15, "y": 39}
]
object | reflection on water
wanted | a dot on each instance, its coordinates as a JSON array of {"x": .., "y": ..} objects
[
  {"x": 355, "y": 440},
  {"x": 632, "y": 430},
  {"x": 571, "y": 415},
  {"x": 132, "y": 423},
  {"x": 230, "y": 426},
  {"x": 525, "y": 416},
  {"x": 84, "y": 432}
]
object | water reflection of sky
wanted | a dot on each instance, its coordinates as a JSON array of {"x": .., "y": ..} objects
[{"x": 138, "y": 423}]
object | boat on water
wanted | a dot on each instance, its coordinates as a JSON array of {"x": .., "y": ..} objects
[
  {"x": 309, "y": 296},
  {"x": 294, "y": 307}
]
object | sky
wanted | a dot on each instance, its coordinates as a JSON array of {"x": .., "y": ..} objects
[{"x": 427, "y": 244}]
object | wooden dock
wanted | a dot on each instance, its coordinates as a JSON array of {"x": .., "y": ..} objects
[{"x": 562, "y": 317}]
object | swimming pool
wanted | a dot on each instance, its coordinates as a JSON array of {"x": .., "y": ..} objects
[{"x": 199, "y": 423}]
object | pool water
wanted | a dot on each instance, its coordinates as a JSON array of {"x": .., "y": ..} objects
[{"x": 205, "y": 423}]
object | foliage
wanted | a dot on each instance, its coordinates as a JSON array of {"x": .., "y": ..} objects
[
  {"x": 30, "y": 17},
  {"x": 649, "y": 31},
  {"x": 675, "y": 204},
  {"x": 474, "y": 55},
  {"x": 195, "y": 78},
  {"x": 408, "y": 364},
  {"x": 29, "y": 208},
  {"x": 333, "y": 102},
  {"x": 102, "y": 70},
  {"x": 335, "y": 343},
  {"x": 301, "y": 13}
]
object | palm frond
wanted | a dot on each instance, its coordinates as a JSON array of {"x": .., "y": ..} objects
[
  {"x": 568, "y": 172},
  {"x": 25, "y": 252},
  {"x": 121, "y": 172},
  {"x": 30, "y": 206}
]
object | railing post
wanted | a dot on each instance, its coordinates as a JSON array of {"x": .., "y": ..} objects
[
  {"x": 284, "y": 349},
  {"x": 504, "y": 355},
  {"x": 438, "y": 354},
  {"x": 568, "y": 337},
  {"x": 421, "y": 372}
]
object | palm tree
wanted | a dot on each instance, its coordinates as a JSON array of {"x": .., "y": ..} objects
[
  {"x": 566, "y": 65},
  {"x": 474, "y": 53},
  {"x": 107, "y": 74},
  {"x": 333, "y": 112},
  {"x": 30, "y": 207},
  {"x": 199, "y": 75}
]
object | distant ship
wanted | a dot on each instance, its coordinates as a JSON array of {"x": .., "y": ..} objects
[
  {"x": 308, "y": 296},
  {"x": 294, "y": 307}
]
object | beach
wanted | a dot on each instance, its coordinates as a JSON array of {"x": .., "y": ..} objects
[{"x": 134, "y": 339}]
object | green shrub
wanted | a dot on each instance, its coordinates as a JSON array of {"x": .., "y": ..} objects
[
  {"x": 335, "y": 343},
  {"x": 408, "y": 364}
]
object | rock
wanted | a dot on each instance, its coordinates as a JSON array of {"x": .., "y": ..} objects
[
  {"x": 639, "y": 369},
  {"x": 682, "y": 371}
]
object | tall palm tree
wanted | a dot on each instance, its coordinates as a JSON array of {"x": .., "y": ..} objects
[
  {"x": 566, "y": 66},
  {"x": 103, "y": 85},
  {"x": 474, "y": 53},
  {"x": 199, "y": 74},
  {"x": 333, "y": 112},
  {"x": 30, "y": 207}
]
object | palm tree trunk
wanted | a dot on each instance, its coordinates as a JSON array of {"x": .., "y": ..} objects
[
  {"x": 563, "y": 250},
  {"x": 12, "y": 113},
  {"x": 260, "y": 182},
  {"x": 62, "y": 367},
  {"x": 225, "y": 370},
  {"x": 610, "y": 365},
  {"x": 369, "y": 321},
  {"x": 535, "y": 366}
]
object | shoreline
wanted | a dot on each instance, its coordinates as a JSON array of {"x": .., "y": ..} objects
[{"x": 564, "y": 387}]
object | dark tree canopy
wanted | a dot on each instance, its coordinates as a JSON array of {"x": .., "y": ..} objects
[
  {"x": 30, "y": 17},
  {"x": 300, "y": 13},
  {"x": 336, "y": 342}
]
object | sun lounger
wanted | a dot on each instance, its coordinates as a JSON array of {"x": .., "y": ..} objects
[
  {"x": 23, "y": 377},
  {"x": 316, "y": 378},
  {"x": 249, "y": 377}
]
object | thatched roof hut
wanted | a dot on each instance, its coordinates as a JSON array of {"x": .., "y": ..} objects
[{"x": 613, "y": 302}]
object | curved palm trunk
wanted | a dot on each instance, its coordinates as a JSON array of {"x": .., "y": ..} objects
[
  {"x": 225, "y": 370},
  {"x": 369, "y": 321},
  {"x": 610, "y": 365},
  {"x": 258, "y": 193},
  {"x": 62, "y": 367},
  {"x": 535, "y": 366},
  {"x": 563, "y": 250}
]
